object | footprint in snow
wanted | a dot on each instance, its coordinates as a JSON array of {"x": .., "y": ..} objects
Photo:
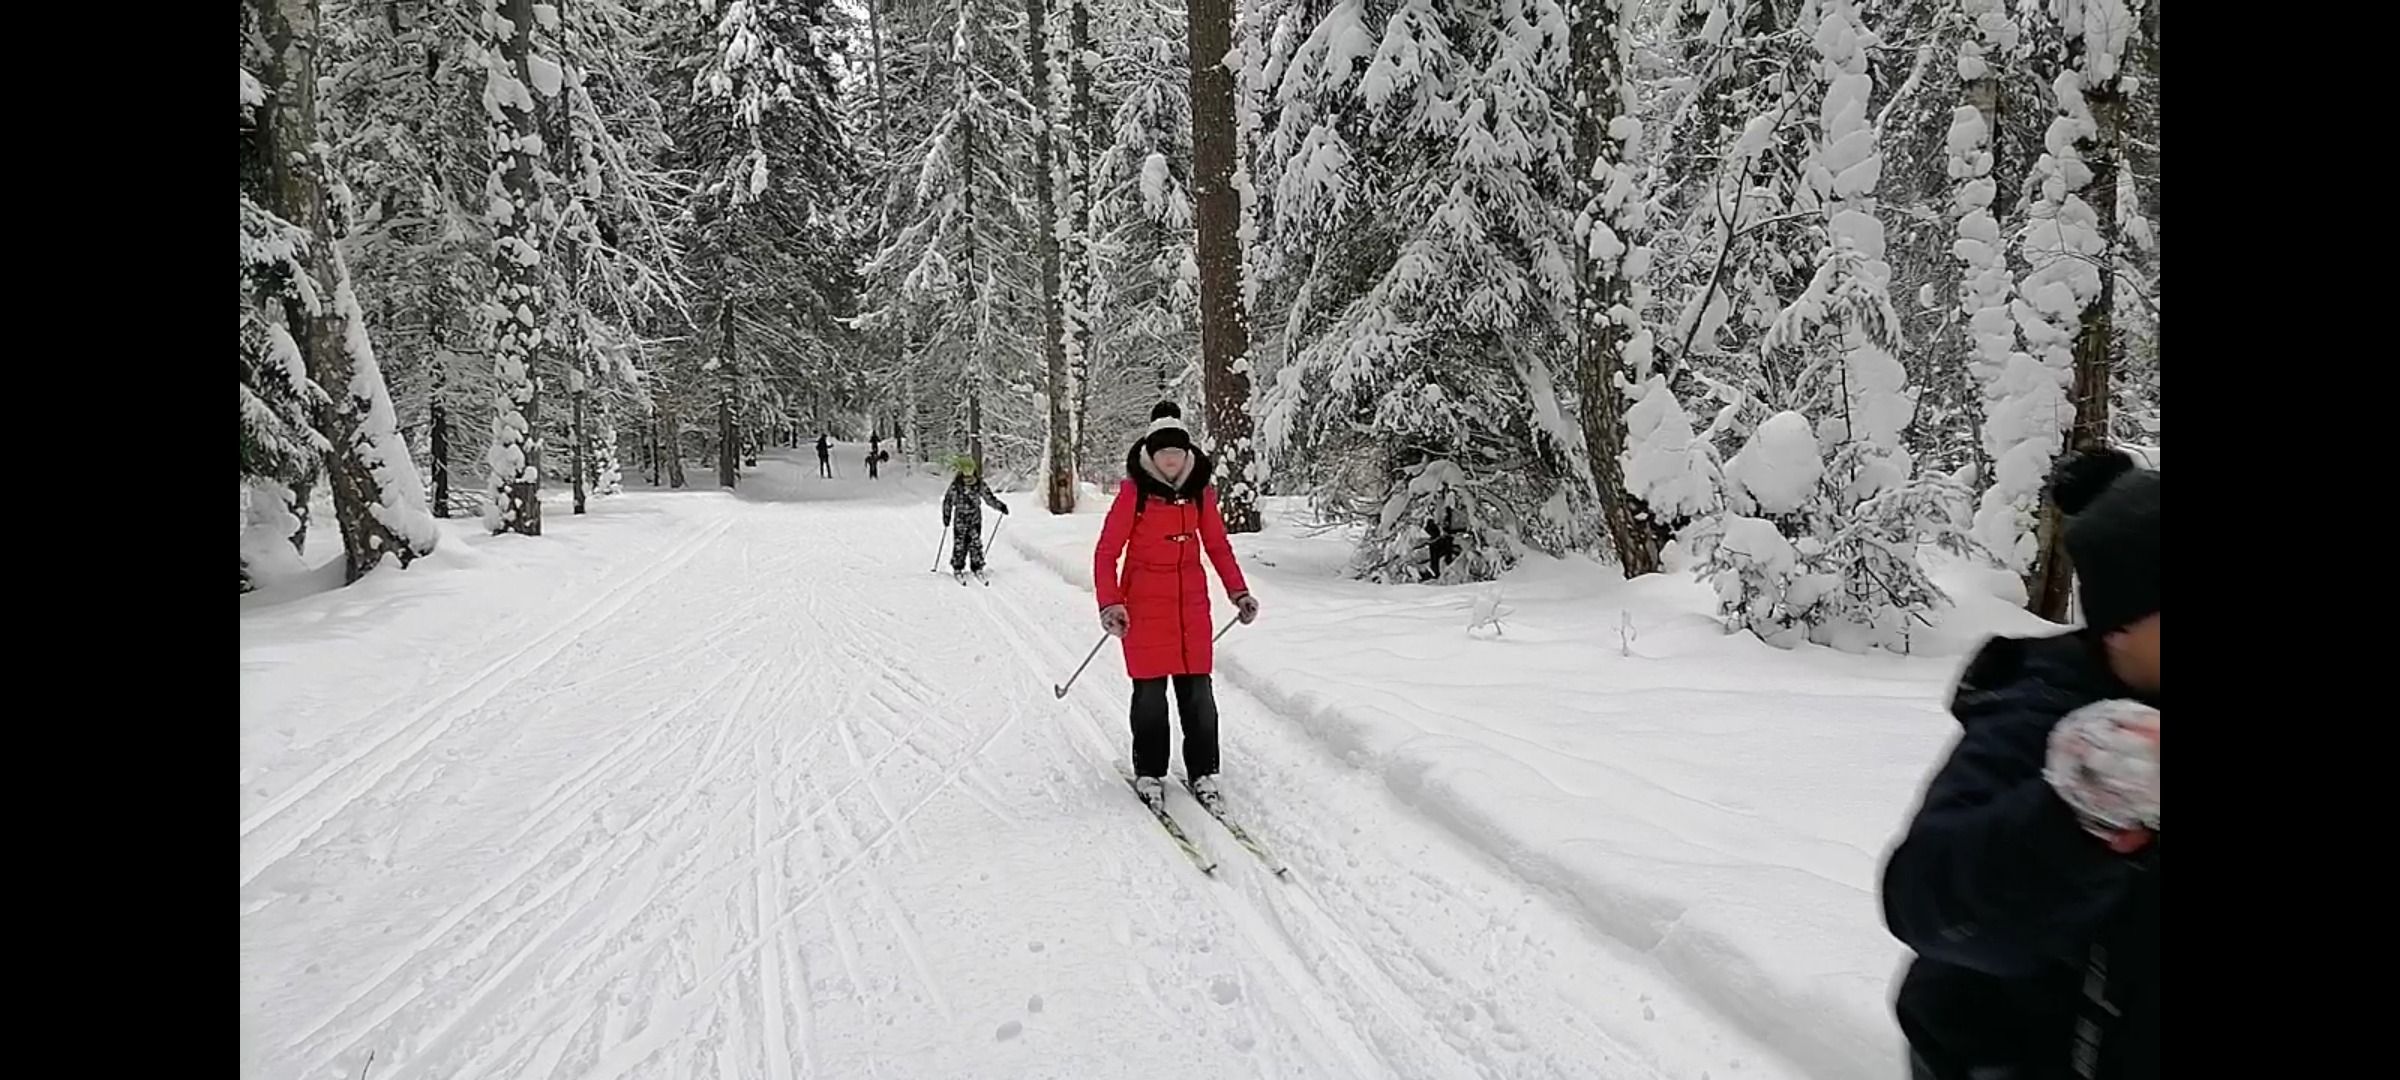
[
  {"x": 1034, "y": 1004},
  {"x": 1010, "y": 1030},
  {"x": 1224, "y": 990}
]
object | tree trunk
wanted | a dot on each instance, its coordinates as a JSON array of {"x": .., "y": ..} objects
[
  {"x": 728, "y": 473},
  {"x": 975, "y": 358},
  {"x": 975, "y": 424},
  {"x": 1058, "y": 479},
  {"x": 1224, "y": 329},
  {"x": 302, "y": 491},
  {"x": 519, "y": 306},
  {"x": 296, "y": 191},
  {"x": 655, "y": 463},
  {"x": 672, "y": 431},
  {"x": 437, "y": 416},
  {"x": 1984, "y": 95},
  {"x": 581, "y": 456},
  {"x": 1601, "y": 286},
  {"x": 1083, "y": 254},
  {"x": 2053, "y": 581}
]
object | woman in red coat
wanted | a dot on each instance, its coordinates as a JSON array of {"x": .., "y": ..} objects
[{"x": 1165, "y": 513}]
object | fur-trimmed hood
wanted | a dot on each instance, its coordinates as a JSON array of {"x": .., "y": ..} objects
[{"x": 1144, "y": 473}]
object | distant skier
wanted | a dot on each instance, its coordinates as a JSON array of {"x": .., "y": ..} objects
[
  {"x": 2029, "y": 882},
  {"x": 874, "y": 454},
  {"x": 825, "y": 456},
  {"x": 1164, "y": 516},
  {"x": 962, "y": 511}
]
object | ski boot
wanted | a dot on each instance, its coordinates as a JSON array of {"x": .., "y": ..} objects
[
  {"x": 1204, "y": 788},
  {"x": 1153, "y": 790},
  {"x": 960, "y": 575}
]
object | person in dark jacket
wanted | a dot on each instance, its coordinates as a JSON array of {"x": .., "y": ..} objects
[
  {"x": 962, "y": 510},
  {"x": 825, "y": 455},
  {"x": 2028, "y": 883}
]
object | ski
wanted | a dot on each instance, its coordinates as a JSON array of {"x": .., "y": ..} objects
[
  {"x": 1182, "y": 839},
  {"x": 1242, "y": 837}
]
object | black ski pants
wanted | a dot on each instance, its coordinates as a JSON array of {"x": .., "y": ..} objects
[
  {"x": 1196, "y": 703},
  {"x": 966, "y": 541}
]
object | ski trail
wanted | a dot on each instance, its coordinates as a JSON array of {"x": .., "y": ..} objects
[
  {"x": 1294, "y": 978},
  {"x": 883, "y": 802},
  {"x": 771, "y": 807},
  {"x": 445, "y": 711},
  {"x": 1398, "y": 918},
  {"x": 771, "y": 985}
]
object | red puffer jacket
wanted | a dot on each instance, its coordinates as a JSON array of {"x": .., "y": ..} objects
[{"x": 1163, "y": 585}]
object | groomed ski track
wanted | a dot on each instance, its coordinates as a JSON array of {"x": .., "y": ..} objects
[{"x": 757, "y": 795}]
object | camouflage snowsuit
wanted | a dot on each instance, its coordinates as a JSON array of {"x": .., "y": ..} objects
[{"x": 962, "y": 510}]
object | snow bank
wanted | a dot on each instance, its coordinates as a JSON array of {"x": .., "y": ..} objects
[{"x": 1721, "y": 806}]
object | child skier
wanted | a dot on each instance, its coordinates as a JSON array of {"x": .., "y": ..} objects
[
  {"x": 962, "y": 511},
  {"x": 1165, "y": 513}
]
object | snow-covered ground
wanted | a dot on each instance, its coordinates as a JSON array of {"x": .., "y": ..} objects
[
  {"x": 729, "y": 785},
  {"x": 1719, "y": 806}
]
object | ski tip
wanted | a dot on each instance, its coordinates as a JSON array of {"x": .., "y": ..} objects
[{"x": 1059, "y": 692}]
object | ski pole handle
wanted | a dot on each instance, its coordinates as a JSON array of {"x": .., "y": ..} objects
[{"x": 1060, "y": 691}]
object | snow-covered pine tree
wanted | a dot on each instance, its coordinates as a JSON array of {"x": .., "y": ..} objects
[
  {"x": 281, "y": 446},
  {"x": 2032, "y": 406},
  {"x": 615, "y": 260},
  {"x": 1414, "y": 231},
  {"x": 1918, "y": 43},
  {"x": 885, "y": 342},
  {"x": 1729, "y": 243},
  {"x": 1826, "y": 518},
  {"x": 1985, "y": 288},
  {"x": 2076, "y": 244},
  {"x": 407, "y": 136},
  {"x": 2134, "y": 417},
  {"x": 759, "y": 128},
  {"x": 306, "y": 317},
  {"x": 954, "y": 267},
  {"x": 1147, "y": 277}
]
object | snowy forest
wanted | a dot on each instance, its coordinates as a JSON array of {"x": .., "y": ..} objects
[{"x": 1779, "y": 293}]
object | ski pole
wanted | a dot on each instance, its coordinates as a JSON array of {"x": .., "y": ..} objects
[
  {"x": 1061, "y": 690},
  {"x": 987, "y": 544},
  {"x": 937, "y": 551}
]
